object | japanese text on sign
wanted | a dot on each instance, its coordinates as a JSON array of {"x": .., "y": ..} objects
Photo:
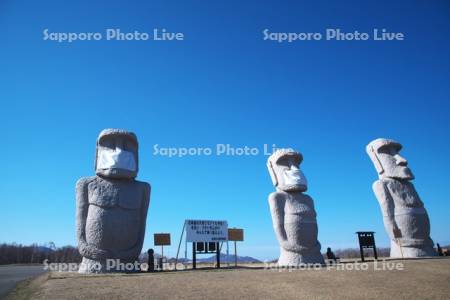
[{"x": 206, "y": 231}]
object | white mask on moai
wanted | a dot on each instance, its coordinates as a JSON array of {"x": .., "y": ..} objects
[
  {"x": 284, "y": 169},
  {"x": 117, "y": 154},
  {"x": 116, "y": 159},
  {"x": 384, "y": 154}
]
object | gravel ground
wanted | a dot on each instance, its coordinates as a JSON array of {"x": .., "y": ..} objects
[{"x": 413, "y": 279}]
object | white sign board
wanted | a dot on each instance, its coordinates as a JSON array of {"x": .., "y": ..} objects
[{"x": 206, "y": 231}]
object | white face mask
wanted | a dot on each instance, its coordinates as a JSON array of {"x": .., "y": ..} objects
[
  {"x": 294, "y": 177},
  {"x": 117, "y": 159}
]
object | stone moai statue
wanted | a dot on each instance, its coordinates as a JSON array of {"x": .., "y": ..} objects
[
  {"x": 405, "y": 218},
  {"x": 112, "y": 206},
  {"x": 293, "y": 214}
]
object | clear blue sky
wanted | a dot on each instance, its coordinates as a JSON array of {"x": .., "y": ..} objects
[{"x": 222, "y": 84}]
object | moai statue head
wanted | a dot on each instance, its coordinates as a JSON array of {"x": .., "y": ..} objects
[
  {"x": 117, "y": 154},
  {"x": 284, "y": 169},
  {"x": 384, "y": 154}
]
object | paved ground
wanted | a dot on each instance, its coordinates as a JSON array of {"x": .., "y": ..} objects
[
  {"x": 409, "y": 279},
  {"x": 10, "y": 275}
]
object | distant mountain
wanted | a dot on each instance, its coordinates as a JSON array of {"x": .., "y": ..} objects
[
  {"x": 43, "y": 249},
  {"x": 200, "y": 258},
  {"x": 144, "y": 256},
  {"x": 181, "y": 260},
  {"x": 228, "y": 258}
]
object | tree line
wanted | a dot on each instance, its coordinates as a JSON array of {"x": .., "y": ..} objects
[{"x": 36, "y": 254}]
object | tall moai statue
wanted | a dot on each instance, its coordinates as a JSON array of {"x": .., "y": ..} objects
[
  {"x": 405, "y": 218},
  {"x": 293, "y": 214},
  {"x": 112, "y": 206}
]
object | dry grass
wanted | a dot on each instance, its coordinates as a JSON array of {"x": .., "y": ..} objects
[{"x": 425, "y": 278}]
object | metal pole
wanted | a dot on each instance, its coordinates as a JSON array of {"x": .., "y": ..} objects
[
  {"x": 235, "y": 254},
  {"x": 361, "y": 248},
  {"x": 194, "y": 256},
  {"x": 374, "y": 248},
  {"x": 400, "y": 245},
  {"x": 179, "y": 245},
  {"x": 228, "y": 256},
  {"x": 218, "y": 255},
  {"x": 362, "y": 253}
]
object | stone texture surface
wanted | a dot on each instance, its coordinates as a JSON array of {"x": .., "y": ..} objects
[
  {"x": 293, "y": 213},
  {"x": 405, "y": 218},
  {"x": 111, "y": 210}
]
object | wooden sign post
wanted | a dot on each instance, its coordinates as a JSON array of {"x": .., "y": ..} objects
[
  {"x": 235, "y": 235},
  {"x": 367, "y": 240},
  {"x": 205, "y": 232},
  {"x": 161, "y": 239}
]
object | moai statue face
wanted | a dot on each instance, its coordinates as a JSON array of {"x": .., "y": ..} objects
[
  {"x": 384, "y": 153},
  {"x": 117, "y": 154},
  {"x": 284, "y": 169}
]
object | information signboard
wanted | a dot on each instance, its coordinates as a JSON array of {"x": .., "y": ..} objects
[
  {"x": 161, "y": 239},
  {"x": 206, "y": 231},
  {"x": 236, "y": 234}
]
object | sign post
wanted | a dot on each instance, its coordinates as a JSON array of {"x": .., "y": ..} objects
[
  {"x": 161, "y": 239},
  {"x": 367, "y": 240},
  {"x": 205, "y": 236},
  {"x": 235, "y": 234}
]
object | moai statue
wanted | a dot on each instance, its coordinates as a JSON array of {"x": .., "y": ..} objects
[
  {"x": 405, "y": 218},
  {"x": 293, "y": 214},
  {"x": 112, "y": 206}
]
